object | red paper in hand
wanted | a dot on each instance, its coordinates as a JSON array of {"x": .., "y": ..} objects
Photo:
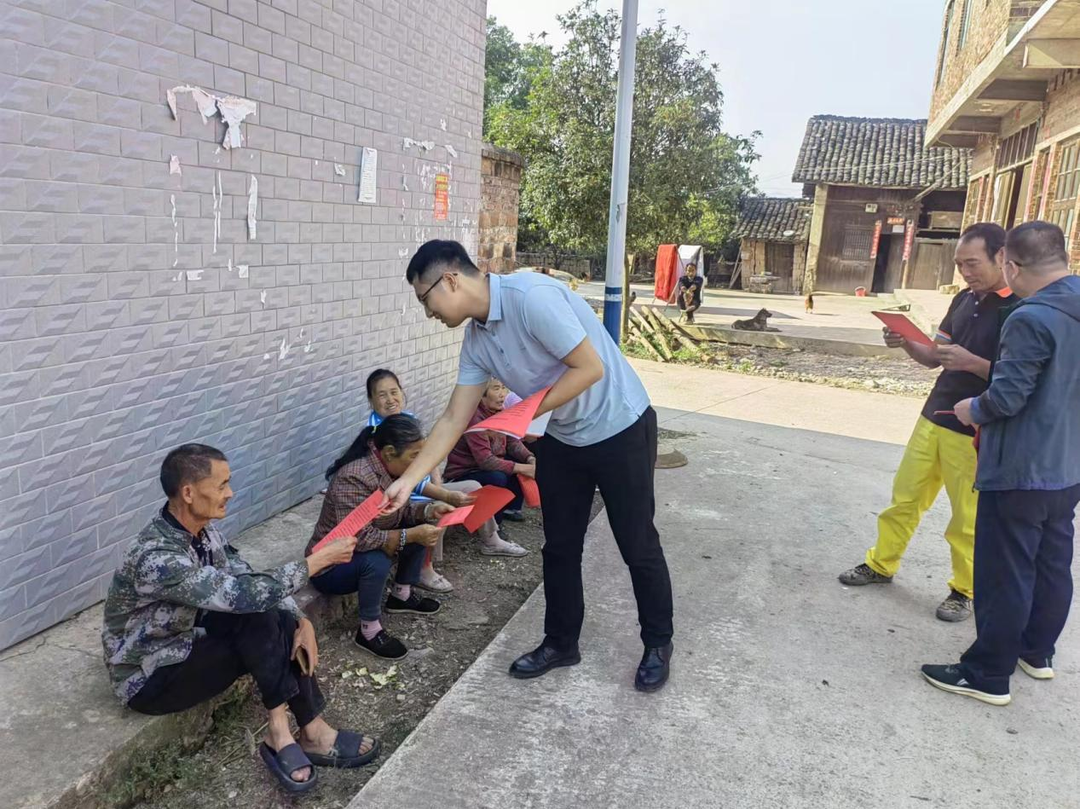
[
  {"x": 530, "y": 490},
  {"x": 904, "y": 327},
  {"x": 490, "y": 500},
  {"x": 455, "y": 517},
  {"x": 514, "y": 421},
  {"x": 358, "y": 519}
]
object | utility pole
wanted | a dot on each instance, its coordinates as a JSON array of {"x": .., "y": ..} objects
[{"x": 620, "y": 173}]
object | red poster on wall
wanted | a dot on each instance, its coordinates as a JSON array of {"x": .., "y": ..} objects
[
  {"x": 442, "y": 196},
  {"x": 909, "y": 238},
  {"x": 877, "y": 238}
]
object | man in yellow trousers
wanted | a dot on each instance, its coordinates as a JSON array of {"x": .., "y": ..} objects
[{"x": 940, "y": 451}]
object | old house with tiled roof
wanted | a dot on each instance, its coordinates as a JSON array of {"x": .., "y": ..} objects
[
  {"x": 1007, "y": 84},
  {"x": 773, "y": 234},
  {"x": 887, "y": 208}
]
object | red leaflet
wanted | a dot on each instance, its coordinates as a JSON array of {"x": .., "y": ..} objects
[
  {"x": 455, "y": 517},
  {"x": 530, "y": 490},
  {"x": 357, "y": 520},
  {"x": 904, "y": 327},
  {"x": 490, "y": 500}
]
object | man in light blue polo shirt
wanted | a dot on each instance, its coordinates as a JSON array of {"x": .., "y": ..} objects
[{"x": 531, "y": 332}]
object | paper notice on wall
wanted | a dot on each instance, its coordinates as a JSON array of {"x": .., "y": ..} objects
[
  {"x": 442, "y": 196},
  {"x": 174, "y": 166},
  {"x": 369, "y": 168}
]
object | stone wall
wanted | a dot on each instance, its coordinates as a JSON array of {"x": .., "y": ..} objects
[
  {"x": 137, "y": 312},
  {"x": 500, "y": 197}
]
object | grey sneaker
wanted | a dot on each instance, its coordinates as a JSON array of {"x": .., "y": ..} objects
[
  {"x": 863, "y": 574},
  {"x": 956, "y": 607},
  {"x": 1041, "y": 668}
]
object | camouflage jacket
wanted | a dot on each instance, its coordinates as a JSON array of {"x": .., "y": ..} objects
[{"x": 161, "y": 586}]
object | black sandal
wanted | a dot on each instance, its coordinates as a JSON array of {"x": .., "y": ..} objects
[
  {"x": 345, "y": 754},
  {"x": 285, "y": 762}
]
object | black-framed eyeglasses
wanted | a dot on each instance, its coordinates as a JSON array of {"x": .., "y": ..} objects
[{"x": 423, "y": 298}]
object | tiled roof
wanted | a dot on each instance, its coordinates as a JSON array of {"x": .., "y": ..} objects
[
  {"x": 877, "y": 152},
  {"x": 774, "y": 219}
]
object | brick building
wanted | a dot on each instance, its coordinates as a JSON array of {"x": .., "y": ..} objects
[
  {"x": 140, "y": 309},
  {"x": 773, "y": 234},
  {"x": 1007, "y": 85},
  {"x": 887, "y": 208},
  {"x": 500, "y": 199}
]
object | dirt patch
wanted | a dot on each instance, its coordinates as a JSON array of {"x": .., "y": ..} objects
[
  {"x": 892, "y": 374},
  {"x": 365, "y": 693}
]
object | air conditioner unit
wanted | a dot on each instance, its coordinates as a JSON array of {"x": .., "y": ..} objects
[{"x": 946, "y": 220}]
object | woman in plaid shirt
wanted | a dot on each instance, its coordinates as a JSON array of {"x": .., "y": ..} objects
[{"x": 376, "y": 459}]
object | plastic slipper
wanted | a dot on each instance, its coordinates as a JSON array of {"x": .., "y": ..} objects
[
  {"x": 345, "y": 753},
  {"x": 437, "y": 584},
  {"x": 511, "y": 549},
  {"x": 285, "y": 762}
]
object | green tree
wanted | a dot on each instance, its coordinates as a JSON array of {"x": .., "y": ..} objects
[
  {"x": 508, "y": 68},
  {"x": 686, "y": 174}
]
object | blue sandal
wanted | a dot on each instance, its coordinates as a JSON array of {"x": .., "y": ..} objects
[
  {"x": 285, "y": 762},
  {"x": 345, "y": 753}
]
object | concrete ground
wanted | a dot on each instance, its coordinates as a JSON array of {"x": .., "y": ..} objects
[
  {"x": 836, "y": 318},
  {"x": 788, "y": 689}
]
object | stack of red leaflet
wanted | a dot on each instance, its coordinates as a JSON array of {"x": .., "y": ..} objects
[
  {"x": 517, "y": 420},
  {"x": 357, "y": 520}
]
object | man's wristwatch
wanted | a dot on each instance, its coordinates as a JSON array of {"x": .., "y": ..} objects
[{"x": 401, "y": 540}]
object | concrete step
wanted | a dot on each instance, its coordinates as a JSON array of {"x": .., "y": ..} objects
[{"x": 65, "y": 741}]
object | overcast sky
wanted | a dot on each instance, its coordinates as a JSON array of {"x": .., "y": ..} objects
[{"x": 782, "y": 61}]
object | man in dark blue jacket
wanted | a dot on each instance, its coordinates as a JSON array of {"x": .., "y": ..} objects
[{"x": 1028, "y": 475}]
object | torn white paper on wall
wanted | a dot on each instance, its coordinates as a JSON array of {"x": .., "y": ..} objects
[
  {"x": 174, "y": 166},
  {"x": 230, "y": 265},
  {"x": 369, "y": 166},
  {"x": 233, "y": 111},
  {"x": 442, "y": 124},
  {"x": 339, "y": 170},
  {"x": 242, "y": 270},
  {"x": 452, "y": 151},
  {"x": 253, "y": 201},
  {"x": 206, "y": 103},
  {"x": 194, "y": 275},
  {"x": 176, "y": 231},
  {"x": 218, "y": 199},
  {"x": 283, "y": 350},
  {"x": 423, "y": 145},
  {"x": 262, "y": 297}
]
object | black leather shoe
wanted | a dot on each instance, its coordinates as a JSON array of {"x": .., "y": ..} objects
[
  {"x": 543, "y": 659},
  {"x": 654, "y": 668}
]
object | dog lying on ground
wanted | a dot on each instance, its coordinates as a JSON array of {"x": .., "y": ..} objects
[{"x": 759, "y": 322}]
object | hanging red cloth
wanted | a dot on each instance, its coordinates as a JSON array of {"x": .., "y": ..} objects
[{"x": 667, "y": 268}]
